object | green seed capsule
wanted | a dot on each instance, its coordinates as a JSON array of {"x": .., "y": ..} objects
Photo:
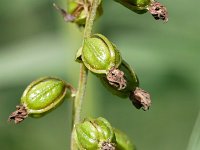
[
  {"x": 40, "y": 97},
  {"x": 138, "y": 97},
  {"x": 99, "y": 55},
  {"x": 131, "y": 78},
  {"x": 94, "y": 134},
  {"x": 138, "y": 6},
  {"x": 156, "y": 9},
  {"x": 87, "y": 136},
  {"x": 122, "y": 141},
  {"x": 72, "y": 6},
  {"x": 81, "y": 13},
  {"x": 77, "y": 11},
  {"x": 43, "y": 94}
]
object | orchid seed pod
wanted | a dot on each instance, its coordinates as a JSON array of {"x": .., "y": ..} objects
[
  {"x": 40, "y": 97},
  {"x": 131, "y": 78},
  {"x": 100, "y": 56},
  {"x": 138, "y": 97},
  {"x": 94, "y": 134},
  {"x": 156, "y": 9},
  {"x": 77, "y": 11},
  {"x": 122, "y": 141},
  {"x": 138, "y": 6}
]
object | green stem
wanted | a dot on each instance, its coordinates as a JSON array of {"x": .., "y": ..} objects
[
  {"x": 90, "y": 18},
  {"x": 77, "y": 104},
  {"x": 78, "y": 101}
]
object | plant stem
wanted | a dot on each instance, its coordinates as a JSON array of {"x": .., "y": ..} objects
[
  {"x": 78, "y": 101},
  {"x": 90, "y": 18}
]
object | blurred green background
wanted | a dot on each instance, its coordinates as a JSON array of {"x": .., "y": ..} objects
[{"x": 36, "y": 42}]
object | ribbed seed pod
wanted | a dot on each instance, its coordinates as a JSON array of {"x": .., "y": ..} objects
[
  {"x": 77, "y": 11},
  {"x": 138, "y": 6},
  {"x": 100, "y": 56},
  {"x": 40, "y": 97},
  {"x": 155, "y": 8},
  {"x": 122, "y": 141},
  {"x": 129, "y": 75},
  {"x": 138, "y": 97},
  {"x": 95, "y": 134}
]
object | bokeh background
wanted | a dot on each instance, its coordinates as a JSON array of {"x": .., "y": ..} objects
[{"x": 36, "y": 42}]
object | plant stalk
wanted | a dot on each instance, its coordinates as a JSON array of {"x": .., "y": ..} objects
[{"x": 78, "y": 101}]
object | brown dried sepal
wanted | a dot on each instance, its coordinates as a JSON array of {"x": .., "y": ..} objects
[
  {"x": 108, "y": 146},
  {"x": 66, "y": 16},
  {"x": 19, "y": 115},
  {"x": 158, "y": 11},
  {"x": 140, "y": 98},
  {"x": 115, "y": 78}
]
